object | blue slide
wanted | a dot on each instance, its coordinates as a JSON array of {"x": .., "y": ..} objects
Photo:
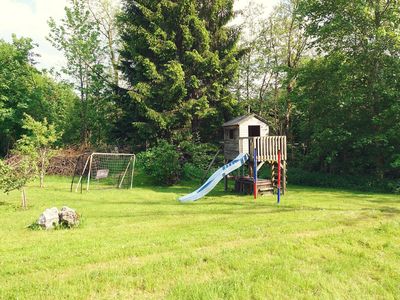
[{"x": 215, "y": 178}]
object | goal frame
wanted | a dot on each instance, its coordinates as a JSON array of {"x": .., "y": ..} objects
[{"x": 88, "y": 166}]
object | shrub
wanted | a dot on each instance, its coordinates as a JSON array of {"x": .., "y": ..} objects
[
  {"x": 166, "y": 163},
  {"x": 192, "y": 172},
  {"x": 196, "y": 158},
  {"x": 361, "y": 183},
  {"x": 161, "y": 163}
]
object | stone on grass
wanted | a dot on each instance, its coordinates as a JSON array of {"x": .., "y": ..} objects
[
  {"x": 49, "y": 218},
  {"x": 69, "y": 217}
]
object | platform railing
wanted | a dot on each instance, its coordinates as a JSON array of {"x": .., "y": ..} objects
[{"x": 268, "y": 147}]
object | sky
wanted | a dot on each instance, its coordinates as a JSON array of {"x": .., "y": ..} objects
[{"x": 28, "y": 18}]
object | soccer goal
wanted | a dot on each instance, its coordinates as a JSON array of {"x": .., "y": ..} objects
[{"x": 104, "y": 170}]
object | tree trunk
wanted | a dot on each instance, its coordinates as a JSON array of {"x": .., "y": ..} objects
[
  {"x": 23, "y": 198},
  {"x": 114, "y": 63},
  {"x": 83, "y": 111},
  {"x": 42, "y": 169},
  {"x": 195, "y": 125}
]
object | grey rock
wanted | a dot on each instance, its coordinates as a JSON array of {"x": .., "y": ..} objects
[
  {"x": 49, "y": 218},
  {"x": 69, "y": 217}
]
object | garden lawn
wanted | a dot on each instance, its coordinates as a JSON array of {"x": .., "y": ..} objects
[{"x": 144, "y": 244}]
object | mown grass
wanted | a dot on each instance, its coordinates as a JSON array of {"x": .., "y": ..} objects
[{"x": 142, "y": 243}]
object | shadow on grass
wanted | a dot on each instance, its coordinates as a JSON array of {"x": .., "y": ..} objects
[
  {"x": 5, "y": 203},
  {"x": 215, "y": 209},
  {"x": 385, "y": 209}
]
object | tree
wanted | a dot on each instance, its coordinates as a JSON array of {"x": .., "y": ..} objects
[
  {"x": 348, "y": 97},
  {"x": 104, "y": 13},
  {"x": 179, "y": 58},
  {"x": 16, "y": 173},
  {"x": 24, "y": 89},
  {"x": 255, "y": 61},
  {"x": 78, "y": 36},
  {"x": 30, "y": 157},
  {"x": 275, "y": 47},
  {"x": 38, "y": 143}
]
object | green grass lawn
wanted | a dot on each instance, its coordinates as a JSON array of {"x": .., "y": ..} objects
[{"x": 142, "y": 243}]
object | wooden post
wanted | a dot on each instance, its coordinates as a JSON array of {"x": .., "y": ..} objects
[
  {"x": 23, "y": 198},
  {"x": 284, "y": 178},
  {"x": 251, "y": 147},
  {"x": 273, "y": 173}
]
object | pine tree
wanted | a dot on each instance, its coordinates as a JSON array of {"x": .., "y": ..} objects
[{"x": 179, "y": 58}]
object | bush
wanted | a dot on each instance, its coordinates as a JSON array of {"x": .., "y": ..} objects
[
  {"x": 161, "y": 163},
  {"x": 166, "y": 163},
  {"x": 361, "y": 183},
  {"x": 196, "y": 158},
  {"x": 192, "y": 172}
]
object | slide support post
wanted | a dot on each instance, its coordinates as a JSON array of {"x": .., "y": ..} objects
[
  {"x": 255, "y": 174},
  {"x": 279, "y": 176}
]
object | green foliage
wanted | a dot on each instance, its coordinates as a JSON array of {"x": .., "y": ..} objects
[
  {"x": 35, "y": 226},
  {"x": 6, "y": 180},
  {"x": 78, "y": 37},
  {"x": 16, "y": 174},
  {"x": 347, "y": 99},
  {"x": 30, "y": 157},
  {"x": 198, "y": 154},
  {"x": 41, "y": 135},
  {"x": 179, "y": 67},
  {"x": 167, "y": 163},
  {"x": 38, "y": 143},
  {"x": 274, "y": 48},
  {"x": 196, "y": 158},
  {"x": 161, "y": 163},
  {"x": 24, "y": 89},
  {"x": 359, "y": 182},
  {"x": 192, "y": 172}
]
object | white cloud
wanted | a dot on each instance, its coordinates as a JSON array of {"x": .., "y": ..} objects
[{"x": 29, "y": 18}]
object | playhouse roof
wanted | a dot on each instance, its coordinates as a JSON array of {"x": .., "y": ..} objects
[{"x": 241, "y": 119}]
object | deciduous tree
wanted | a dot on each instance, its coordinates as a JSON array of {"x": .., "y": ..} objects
[
  {"x": 25, "y": 89},
  {"x": 38, "y": 143},
  {"x": 78, "y": 37},
  {"x": 348, "y": 98}
]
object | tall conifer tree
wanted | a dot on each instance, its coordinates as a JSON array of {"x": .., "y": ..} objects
[{"x": 179, "y": 58}]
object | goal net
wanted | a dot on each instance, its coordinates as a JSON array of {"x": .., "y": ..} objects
[{"x": 104, "y": 170}]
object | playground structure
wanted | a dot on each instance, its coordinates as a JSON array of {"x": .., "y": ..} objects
[
  {"x": 248, "y": 147},
  {"x": 104, "y": 170},
  {"x": 271, "y": 151}
]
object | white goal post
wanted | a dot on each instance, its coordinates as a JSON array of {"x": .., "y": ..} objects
[{"x": 106, "y": 169}]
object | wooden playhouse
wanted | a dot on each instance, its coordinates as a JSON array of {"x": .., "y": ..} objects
[{"x": 246, "y": 133}]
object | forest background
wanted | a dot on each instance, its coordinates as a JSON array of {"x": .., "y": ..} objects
[{"x": 161, "y": 77}]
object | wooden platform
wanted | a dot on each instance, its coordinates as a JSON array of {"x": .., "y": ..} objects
[{"x": 244, "y": 185}]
